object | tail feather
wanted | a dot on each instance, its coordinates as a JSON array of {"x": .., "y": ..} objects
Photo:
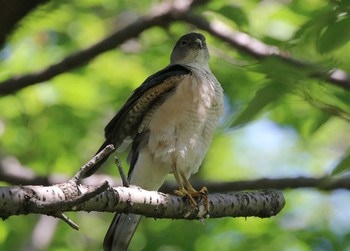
[{"x": 120, "y": 232}]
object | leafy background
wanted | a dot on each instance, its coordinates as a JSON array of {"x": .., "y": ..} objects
[{"x": 278, "y": 121}]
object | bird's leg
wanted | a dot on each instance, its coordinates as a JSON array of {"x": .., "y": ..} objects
[
  {"x": 190, "y": 192},
  {"x": 191, "y": 189},
  {"x": 193, "y": 193},
  {"x": 182, "y": 191}
]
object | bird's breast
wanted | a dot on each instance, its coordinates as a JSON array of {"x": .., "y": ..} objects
[{"x": 183, "y": 126}]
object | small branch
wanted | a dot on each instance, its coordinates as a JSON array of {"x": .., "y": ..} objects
[
  {"x": 75, "y": 197},
  {"x": 121, "y": 172},
  {"x": 97, "y": 158},
  {"x": 65, "y": 195},
  {"x": 68, "y": 221}
]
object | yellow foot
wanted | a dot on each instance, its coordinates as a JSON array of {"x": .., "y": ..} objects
[{"x": 192, "y": 194}]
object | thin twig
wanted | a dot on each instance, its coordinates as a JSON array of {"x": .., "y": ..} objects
[
  {"x": 123, "y": 177},
  {"x": 98, "y": 157},
  {"x": 67, "y": 220}
]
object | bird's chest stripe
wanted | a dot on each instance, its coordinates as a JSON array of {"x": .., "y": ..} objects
[
  {"x": 186, "y": 108},
  {"x": 183, "y": 124}
]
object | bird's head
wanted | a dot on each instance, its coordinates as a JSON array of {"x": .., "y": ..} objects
[{"x": 190, "y": 49}]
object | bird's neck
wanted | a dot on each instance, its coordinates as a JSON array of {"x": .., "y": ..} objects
[{"x": 194, "y": 64}]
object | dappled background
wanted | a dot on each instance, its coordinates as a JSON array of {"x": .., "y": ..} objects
[{"x": 281, "y": 120}]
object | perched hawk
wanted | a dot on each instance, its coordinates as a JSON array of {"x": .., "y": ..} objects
[{"x": 170, "y": 120}]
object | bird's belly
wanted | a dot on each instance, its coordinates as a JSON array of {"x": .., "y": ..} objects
[
  {"x": 185, "y": 148},
  {"x": 181, "y": 131}
]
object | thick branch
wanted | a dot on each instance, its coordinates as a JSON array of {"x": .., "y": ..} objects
[
  {"x": 52, "y": 199},
  {"x": 73, "y": 196}
]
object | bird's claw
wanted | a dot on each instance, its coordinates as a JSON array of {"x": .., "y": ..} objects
[
  {"x": 202, "y": 194},
  {"x": 204, "y": 191}
]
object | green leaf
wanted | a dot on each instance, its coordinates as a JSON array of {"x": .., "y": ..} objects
[
  {"x": 268, "y": 94},
  {"x": 235, "y": 14},
  {"x": 334, "y": 36},
  {"x": 318, "y": 122},
  {"x": 343, "y": 165}
]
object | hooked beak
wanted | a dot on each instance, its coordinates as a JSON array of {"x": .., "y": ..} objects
[{"x": 199, "y": 43}]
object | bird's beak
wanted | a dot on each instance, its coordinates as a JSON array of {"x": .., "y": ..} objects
[{"x": 199, "y": 43}]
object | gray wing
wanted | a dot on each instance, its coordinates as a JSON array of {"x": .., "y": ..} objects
[{"x": 149, "y": 95}]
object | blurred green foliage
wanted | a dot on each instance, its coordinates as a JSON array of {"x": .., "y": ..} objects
[{"x": 278, "y": 121}]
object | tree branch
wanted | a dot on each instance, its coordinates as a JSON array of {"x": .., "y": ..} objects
[
  {"x": 11, "y": 12},
  {"x": 325, "y": 183},
  {"x": 12, "y": 172},
  {"x": 52, "y": 199},
  {"x": 73, "y": 196},
  {"x": 260, "y": 51},
  {"x": 160, "y": 16}
]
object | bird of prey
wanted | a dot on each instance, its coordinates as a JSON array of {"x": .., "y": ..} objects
[{"x": 169, "y": 121}]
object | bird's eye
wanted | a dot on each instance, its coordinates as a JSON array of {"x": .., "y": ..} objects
[{"x": 183, "y": 43}]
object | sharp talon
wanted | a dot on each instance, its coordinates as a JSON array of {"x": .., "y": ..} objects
[
  {"x": 179, "y": 193},
  {"x": 204, "y": 195},
  {"x": 204, "y": 190},
  {"x": 200, "y": 195}
]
